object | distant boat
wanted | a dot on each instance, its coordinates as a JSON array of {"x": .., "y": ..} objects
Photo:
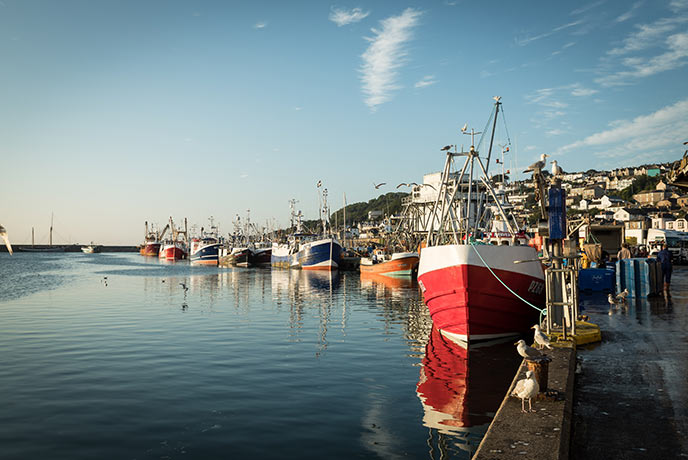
[
  {"x": 49, "y": 248},
  {"x": 151, "y": 242},
  {"x": 395, "y": 264},
  {"x": 91, "y": 249},
  {"x": 205, "y": 249},
  {"x": 174, "y": 248}
]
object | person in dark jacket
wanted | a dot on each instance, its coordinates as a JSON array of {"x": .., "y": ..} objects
[{"x": 664, "y": 257}]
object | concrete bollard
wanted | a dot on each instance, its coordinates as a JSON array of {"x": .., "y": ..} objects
[{"x": 540, "y": 368}]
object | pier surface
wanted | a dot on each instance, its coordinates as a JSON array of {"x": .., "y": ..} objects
[
  {"x": 631, "y": 396},
  {"x": 543, "y": 434}
]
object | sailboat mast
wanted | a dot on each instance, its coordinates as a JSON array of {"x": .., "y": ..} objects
[
  {"x": 51, "y": 230},
  {"x": 33, "y": 242}
]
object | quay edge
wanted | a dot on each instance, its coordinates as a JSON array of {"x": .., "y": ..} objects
[{"x": 545, "y": 434}]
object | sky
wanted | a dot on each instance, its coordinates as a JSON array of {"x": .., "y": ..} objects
[{"x": 115, "y": 113}]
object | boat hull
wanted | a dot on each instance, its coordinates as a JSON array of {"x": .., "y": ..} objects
[
  {"x": 404, "y": 265},
  {"x": 281, "y": 255},
  {"x": 151, "y": 250},
  {"x": 260, "y": 257},
  {"x": 208, "y": 254},
  {"x": 466, "y": 301},
  {"x": 172, "y": 252},
  {"x": 320, "y": 255}
]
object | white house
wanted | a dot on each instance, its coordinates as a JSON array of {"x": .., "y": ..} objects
[{"x": 663, "y": 221}]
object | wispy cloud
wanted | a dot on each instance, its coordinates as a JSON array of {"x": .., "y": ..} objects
[
  {"x": 528, "y": 40},
  {"x": 344, "y": 17},
  {"x": 425, "y": 81},
  {"x": 647, "y": 36},
  {"x": 629, "y": 14},
  {"x": 662, "y": 131},
  {"x": 260, "y": 25},
  {"x": 674, "y": 55},
  {"x": 586, "y": 8},
  {"x": 385, "y": 55},
  {"x": 243, "y": 175}
]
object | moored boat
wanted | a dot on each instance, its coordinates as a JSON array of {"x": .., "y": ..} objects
[
  {"x": 205, "y": 249},
  {"x": 475, "y": 291},
  {"x": 151, "y": 242},
  {"x": 395, "y": 264},
  {"x": 172, "y": 250},
  {"x": 91, "y": 249},
  {"x": 261, "y": 254}
]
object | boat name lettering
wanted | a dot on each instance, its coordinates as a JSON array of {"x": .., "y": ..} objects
[{"x": 536, "y": 287}]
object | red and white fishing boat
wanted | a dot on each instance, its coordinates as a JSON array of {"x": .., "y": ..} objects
[
  {"x": 176, "y": 247},
  {"x": 173, "y": 250},
  {"x": 476, "y": 291}
]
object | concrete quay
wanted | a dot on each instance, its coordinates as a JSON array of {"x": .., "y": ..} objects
[{"x": 543, "y": 434}]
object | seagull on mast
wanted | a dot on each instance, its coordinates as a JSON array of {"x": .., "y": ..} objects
[
  {"x": 3, "y": 235},
  {"x": 538, "y": 165},
  {"x": 556, "y": 169}
]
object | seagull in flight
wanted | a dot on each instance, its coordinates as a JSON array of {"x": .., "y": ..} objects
[
  {"x": 540, "y": 338},
  {"x": 538, "y": 165},
  {"x": 3, "y": 235},
  {"x": 404, "y": 184},
  {"x": 465, "y": 127},
  {"x": 428, "y": 185},
  {"x": 379, "y": 185},
  {"x": 527, "y": 388},
  {"x": 446, "y": 147}
]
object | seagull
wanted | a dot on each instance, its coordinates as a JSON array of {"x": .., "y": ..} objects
[
  {"x": 541, "y": 338},
  {"x": 526, "y": 388},
  {"x": 556, "y": 169},
  {"x": 410, "y": 184},
  {"x": 379, "y": 185},
  {"x": 3, "y": 235},
  {"x": 319, "y": 183},
  {"x": 465, "y": 127},
  {"x": 428, "y": 185},
  {"x": 622, "y": 295},
  {"x": 538, "y": 165},
  {"x": 613, "y": 301},
  {"x": 526, "y": 351},
  {"x": 446, "y": 147}
]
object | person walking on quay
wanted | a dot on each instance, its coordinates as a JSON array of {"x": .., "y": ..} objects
[
  {"x": 664, "y": 257},
  {"x": 624, "y": 253}
]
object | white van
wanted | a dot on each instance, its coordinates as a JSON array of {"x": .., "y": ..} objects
[{"x": 675, "y": 240}]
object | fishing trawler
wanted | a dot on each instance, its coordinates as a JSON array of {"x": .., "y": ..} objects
[
  {"x": 309, "y": 251},
  {"x": 151, "y": 242},
  {"x": 205, "y": 248},
  {"x": 476, "y": 291},
  {"x": 174, "y": 247}
]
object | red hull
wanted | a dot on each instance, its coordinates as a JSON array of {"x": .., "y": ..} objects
[
  {"x": 468, "y": 303},
  {"x": 150, "y": 250},
  {"x": 172, "y": 253}
]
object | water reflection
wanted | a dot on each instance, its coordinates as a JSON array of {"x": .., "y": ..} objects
[{"x": 461, "y": 390}]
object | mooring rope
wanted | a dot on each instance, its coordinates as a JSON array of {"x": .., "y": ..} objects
[{"x": 541, "y": 310}]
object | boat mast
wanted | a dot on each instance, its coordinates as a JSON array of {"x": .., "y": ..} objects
[
  {"x": 494, "y": 127},
  {"x": 51, "y": 230},
  {"x": 33, "y": 244}
]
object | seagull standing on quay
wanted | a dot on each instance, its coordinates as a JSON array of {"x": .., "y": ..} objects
[
  {"x": 540, "y": 338},
  {"x": 622, "y": 295},
  {"x": 538, "y": 165},
  {"x": 3, "y": 235},
  {"x": 526, "y": 351},
  {"x": 527, "y": 388}
]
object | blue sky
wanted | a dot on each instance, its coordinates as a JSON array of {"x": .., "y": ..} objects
[{"x": 114, "y": 113}]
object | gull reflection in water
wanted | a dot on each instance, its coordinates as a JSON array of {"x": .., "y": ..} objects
[{"x": 461, "y": 390}]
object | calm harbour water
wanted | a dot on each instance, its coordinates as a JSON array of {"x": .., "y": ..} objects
[{"x": 247, "y": 363}]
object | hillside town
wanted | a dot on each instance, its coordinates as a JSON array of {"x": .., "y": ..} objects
[{"x": 636, "y": 205}]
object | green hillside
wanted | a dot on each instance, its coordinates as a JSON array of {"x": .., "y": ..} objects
[{"x": 389, "y": 203}]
